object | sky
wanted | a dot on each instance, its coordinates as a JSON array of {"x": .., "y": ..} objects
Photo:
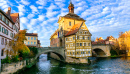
[{"x": 103, "y": 17}]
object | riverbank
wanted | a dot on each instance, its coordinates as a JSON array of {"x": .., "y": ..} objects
[{"x": 15, "y": 67}]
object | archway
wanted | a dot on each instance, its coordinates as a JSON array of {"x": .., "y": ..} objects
[
  {"x": 49, "y": 54},
  {"x": 98, "y": 52}
]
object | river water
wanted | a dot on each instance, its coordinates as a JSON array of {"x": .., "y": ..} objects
[{"x": 100, "y": 66}]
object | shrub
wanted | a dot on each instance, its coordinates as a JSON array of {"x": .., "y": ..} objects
[
  {"x": 15, "y": 58},
  {"x": 6, "y": 60},
  {"x": 25, "y": 52},
  {"x": 34, "y": 50},
  {"x": 113, "y": 52}
]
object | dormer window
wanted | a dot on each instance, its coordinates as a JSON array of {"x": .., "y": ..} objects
[{"x": 69, "y": 23}]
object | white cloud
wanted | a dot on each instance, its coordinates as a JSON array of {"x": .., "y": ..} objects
[
  {"x": 30, "y": 16},
  {"x": 4, "y": 5},
  {"x": 34, "y": 9},
  {"x": 41, "y": 2},
  {"x": 25, "y": 2},
  {"x": 41, "y": 17},
  {"x": 23, "y": 20},
  {"x": 21, "y": 9},
  {"x": 50, "y": 13},
  {"x": 40, "y": 7}
]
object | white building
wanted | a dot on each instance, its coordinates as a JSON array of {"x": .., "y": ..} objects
[{"x": 9, "y": 26}]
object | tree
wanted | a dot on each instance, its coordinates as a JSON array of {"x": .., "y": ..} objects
[
  {"x": 116, "y": 47},
  {"x": 17, "y": 43}
]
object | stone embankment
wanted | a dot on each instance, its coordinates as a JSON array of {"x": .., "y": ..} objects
[
  {"x": 14, "y": 67},
  {"x": 71, "y": 60}
]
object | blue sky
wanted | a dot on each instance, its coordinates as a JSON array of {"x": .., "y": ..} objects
[{"x": 103, "y": 17}]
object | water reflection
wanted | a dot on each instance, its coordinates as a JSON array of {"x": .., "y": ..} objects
[{"x": 101, "y": 66}]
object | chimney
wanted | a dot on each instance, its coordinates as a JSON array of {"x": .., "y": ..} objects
[{"x": 9, "y": 10}]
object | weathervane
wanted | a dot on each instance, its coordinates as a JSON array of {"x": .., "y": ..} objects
[{"x": 70, "y": 1}]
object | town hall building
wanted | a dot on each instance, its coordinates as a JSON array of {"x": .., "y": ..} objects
[{"x": 73, "y": 35}]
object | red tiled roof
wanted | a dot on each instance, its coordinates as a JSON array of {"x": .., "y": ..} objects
[
  {"x": 14, "y": 16},
  {"x": 74, "y": 29},
  {"x": 31, "y": 34}
]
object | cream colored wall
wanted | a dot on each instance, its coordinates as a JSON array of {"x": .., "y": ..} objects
[
  {"x": 30, "y": 40},
  {"x": 70, "y": 45},
  {"x": 64, "y": 23},
  {"x": 83, "y": 48},
  {"x": 71, "y": 48}
]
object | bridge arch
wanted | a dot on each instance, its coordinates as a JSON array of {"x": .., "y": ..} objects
[
  {"x": 48, "y": 51},
  {"x": 98, "y": 52},
  {"x": 103, "y": 49}
]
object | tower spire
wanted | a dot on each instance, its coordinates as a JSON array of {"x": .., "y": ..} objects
[{"x": 71, "y": 7}]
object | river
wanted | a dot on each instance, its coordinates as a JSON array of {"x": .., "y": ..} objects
[{"x": 100, "y": 66}]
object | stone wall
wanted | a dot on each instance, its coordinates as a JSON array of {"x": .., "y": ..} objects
[
  {"x": 77, "y": 60},
  {"x": 14, "y": 67}
]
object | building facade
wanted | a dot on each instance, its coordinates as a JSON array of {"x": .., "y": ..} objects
[
  {"x": 109, "y": 40},
  {"x": 32, "y": 40},
  {"x": 9, "y": 26},
  {"x": 73, "y": 35}
]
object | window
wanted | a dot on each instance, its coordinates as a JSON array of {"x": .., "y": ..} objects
[
  {"x": 88, "y": 38},
  {"x": 6, "y": 32},
  {"x": 28, "y": 42},
  {"x": 31, "y": 42},
  {"x": 34, "y": 42},
  {"x": 34, "y": 38},
  {"x": 81, "y": 52},
  {"x": 0, "y": 16},
  {"x": 77, "y": 44},
  {"x": 28, "y": 38},
  {"x": 89, "y": 52},
  {"x": 80, "y": 32},
  {"x": 77, "y": 52},
  {"x": 73, "y": 38},
  {"x": 85, "y": 32},
  {"x": 83, "y": 37},
  {"x": 2, "y": 52},
  {"x": 7, "y": 22},
  {"x": 73, "y": 53},
  {"x": 66, "y": 45},
  {"x": 78, "y": 37},
  {"x": 69, "y": 23},
  {"x": 3, "y": 18},
  {"x": 84, "y": 44},
  {"x": 2, "y": 30},
  {"x": 66, "y": 39},
  {"x": 70, "y": 53},
  {"x": 80, "y": 44},
  {"x": 31, "y": 38},
  {"x": 2, "y": 41},
  {"x": 88, "y": 44}
]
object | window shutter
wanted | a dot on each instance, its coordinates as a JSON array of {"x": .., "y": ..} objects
[
  {"x": 5, "y": 31},
  {"x": 2, "y": 29}
]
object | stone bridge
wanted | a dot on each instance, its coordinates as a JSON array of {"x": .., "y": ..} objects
[
  {"x": 101, "y": 50},
  {"x": 59, "y": 51}
]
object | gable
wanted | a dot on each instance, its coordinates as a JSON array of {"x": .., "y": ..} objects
[{"x": 84, "y": 27}]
